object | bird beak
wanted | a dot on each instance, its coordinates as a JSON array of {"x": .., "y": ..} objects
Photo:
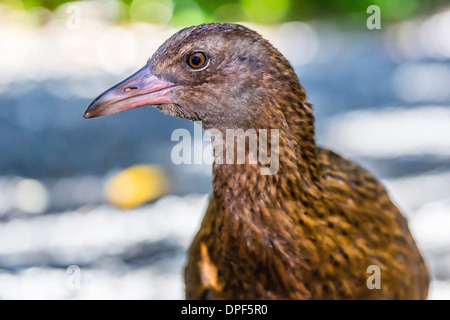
[{"x": 141, "y": 89}]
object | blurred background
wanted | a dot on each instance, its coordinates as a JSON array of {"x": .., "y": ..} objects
[{"x": 104, "y": 194}]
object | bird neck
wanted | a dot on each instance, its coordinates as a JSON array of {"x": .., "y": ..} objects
[
  {"x": 256, "y": 216},
  {"x": 243, "y": 190},
  {"x": 286, "y": 173},
  {"x": 284, "y": 133}
]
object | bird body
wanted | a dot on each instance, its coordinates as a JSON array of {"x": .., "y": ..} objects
[
  {"x": 312, "y": 230},
  {"x": 301, "y": 245}
]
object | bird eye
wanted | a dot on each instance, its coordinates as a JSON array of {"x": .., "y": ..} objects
[{"x": 197, "y": 60}]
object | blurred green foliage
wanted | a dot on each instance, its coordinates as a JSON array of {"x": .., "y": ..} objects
[{"x": 182, "y": 12}]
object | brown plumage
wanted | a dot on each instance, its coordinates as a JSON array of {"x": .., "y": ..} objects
[{"x": 311, "y": 230}]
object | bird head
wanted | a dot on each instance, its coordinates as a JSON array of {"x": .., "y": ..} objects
[{"x": 224, "y": 75}]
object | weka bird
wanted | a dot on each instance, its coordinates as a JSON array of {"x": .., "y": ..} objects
[{"x": 311, "y": 230}]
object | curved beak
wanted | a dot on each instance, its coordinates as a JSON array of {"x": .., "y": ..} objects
[{"x": 141, "y": 89}]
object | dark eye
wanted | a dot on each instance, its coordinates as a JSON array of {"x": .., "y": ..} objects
[{"x": 197, "y": 60}]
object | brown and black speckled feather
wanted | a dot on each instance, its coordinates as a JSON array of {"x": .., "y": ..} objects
[
  {"x": 315, "y": 247},
  {"x": 308, "y": 232}
]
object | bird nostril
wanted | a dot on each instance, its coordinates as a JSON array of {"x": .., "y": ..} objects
[{"x": 128, "y": 89}]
